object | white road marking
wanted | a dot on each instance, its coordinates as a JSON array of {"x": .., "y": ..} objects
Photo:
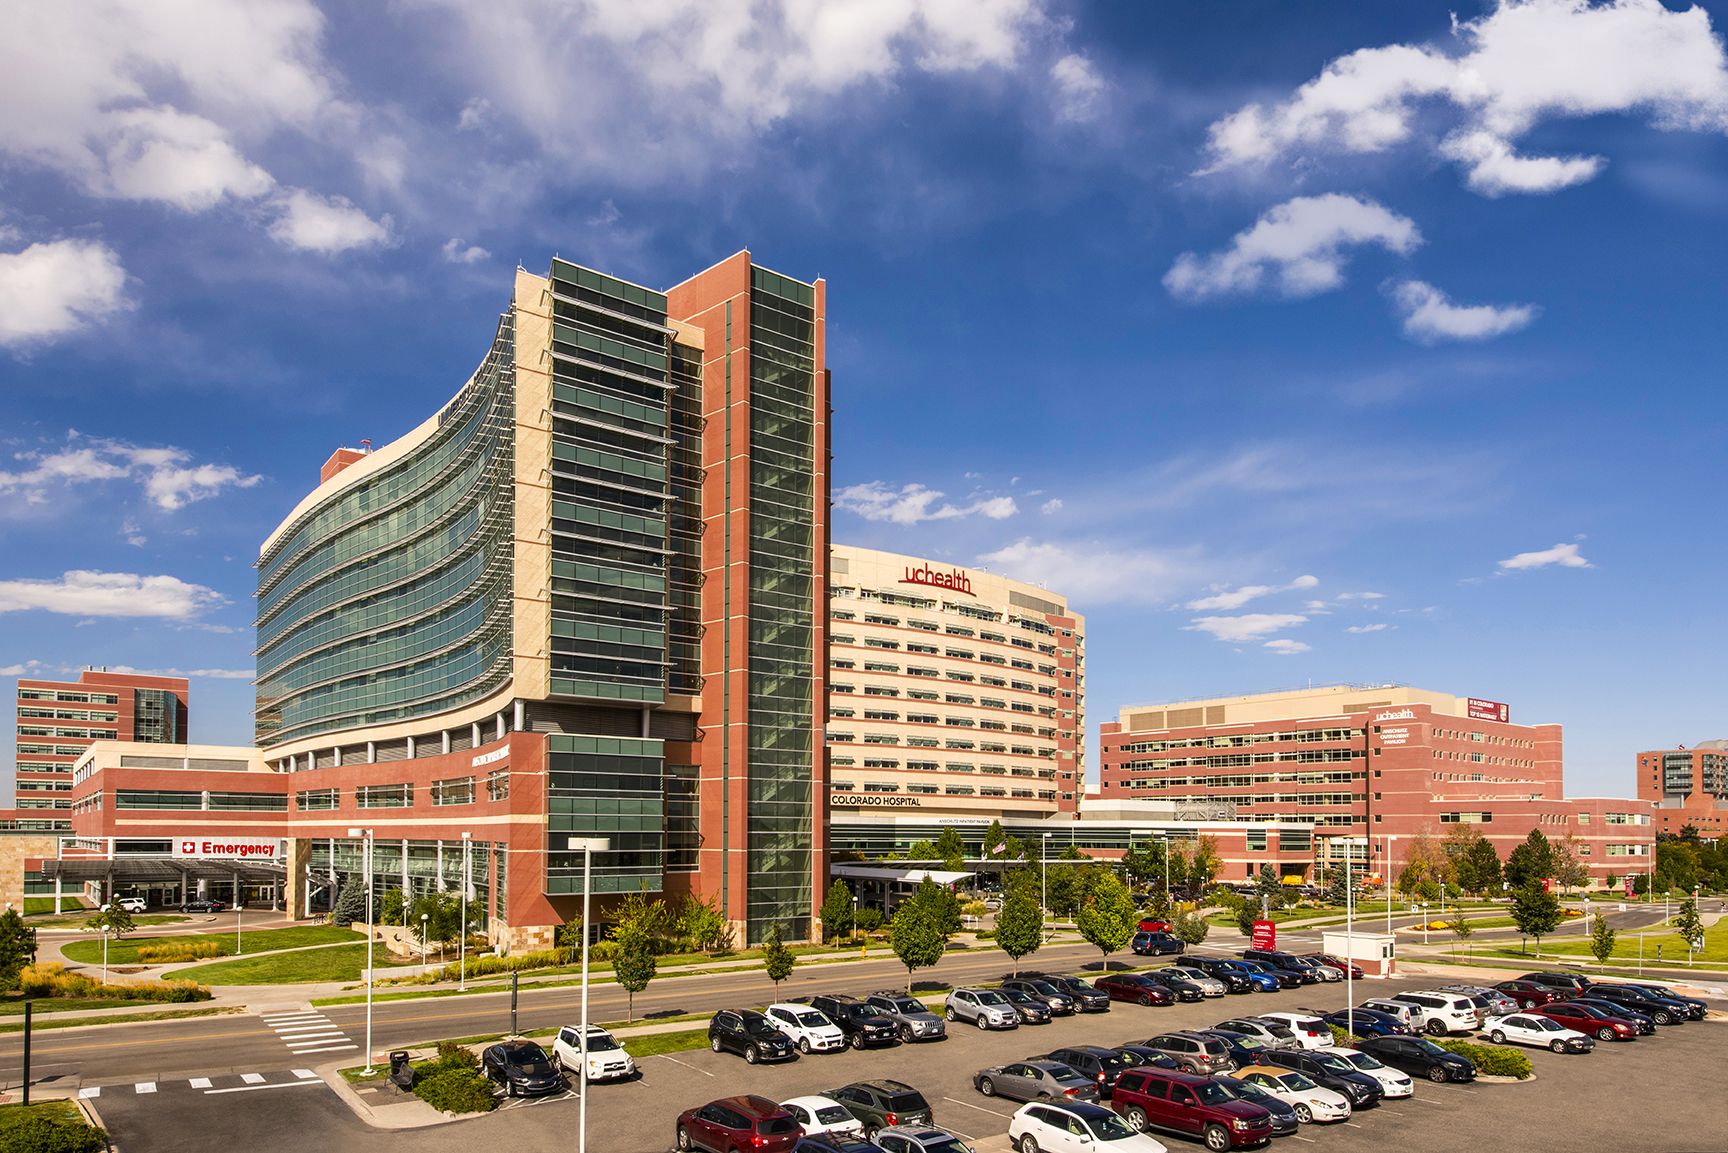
[
  {"x": 199, "y": 1082},
  {"x": 1299, "y": 1137},
  {"x": 326, "y": 1027},
  {"x": 145, "y": 1087},
  {"x": 326, "y": 1049},
  {"x": 676, "y": 1061},
  {"x": 303, "y": 1073},
  {"x": 251, "y": 1088},
  {"x": 252, "y": 1078},
  {"x": 980, "y": 1108},
  {"x": 93, "y": 1091}
]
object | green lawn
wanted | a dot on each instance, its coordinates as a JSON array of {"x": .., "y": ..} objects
[
  {"x": 12, "y": 1005},
  {"x": 1626, "y": 946},
  {"x": 125, "y": 951},
  {"x": 339, "y": 963},
  {"x": 11, "y": 1115},
  {"x": 653, "y": 1043}
]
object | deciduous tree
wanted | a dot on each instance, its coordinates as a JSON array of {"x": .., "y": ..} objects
[
  {"x": 836, "y": 912},
  {"x": 1601, "y": 939},
  {"x": 916, "y": 939},
  {"x": 1108, "y": 918},
  {"x": 1020, "y": 925},
  {"x": 777, "y": 960},
  {"x": 17, "y": 948},
  {"x": 1535, "y": 911}
]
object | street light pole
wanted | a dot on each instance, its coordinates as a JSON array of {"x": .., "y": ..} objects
[
  {"x": 425, "y": 922},
  {"x": 1044, "y": 881},
  {"x": 589, "y": 846},
  {"x": 1388, "y": 884},
  {"x": 365, "y": 836},
  {"x": 462, "y": 963},
  {"x": 1350, "y": 937}
]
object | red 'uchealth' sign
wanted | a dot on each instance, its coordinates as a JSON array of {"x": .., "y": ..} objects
[
  {"x": 1486, "y": 710},
  {"x": 925, "y": 575},
  {"x": 1265, "y": 935}
]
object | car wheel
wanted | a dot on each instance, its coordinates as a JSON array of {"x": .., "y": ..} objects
[
  {"x": 980, "y": 1022},
  {"x": 1136, "y": 1118},
  {"x": 1217, "y": 1139},
  {"x": 870, "y": 1132},
  {"x": 950, "y": 1014},
  {"x": 1145, "y": 1000},
  {"x": 1527, "y": 1005},
  {"x": 1663, "y": 1017},
  {"x": 714, "y": 1044},
  {"x": 987, "y": 1087},
  {"x": 1604, "y": 1034},
  {"x": 1437, "y": 1028},
  {"x": 1028, "y": 1143},
  {"x": 1498, "y": 1036},
  {"x": 684, "y": 1139},
  {"x": 906, "y": 1034},
  {"x": 1304, "y": 1114},
  {"x": 1437, "y": 1074},
  {"x": 751, "y": 1055},
  {"x": 1558, "y": 1046},
  {"x": 509, "y": 1087},
  {"x": 804, "y": 1045}
]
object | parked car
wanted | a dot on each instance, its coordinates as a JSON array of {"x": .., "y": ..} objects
[
  {"x": 913, "y": 1017},
  {"x": 1662, "y": 1010},
  {"x": 1193, "y": 1051},
  {"x": 1090, "y": 998},
  {"x": 1284, "y": 1121},
  {"x": 1059, "y": 1002},
  {"x": 1442, "y": 1013},
  {"x": 1536, "y": 1029},
  {"x": 1530, "y": 995},
  {"x": 736, "y": 1123},
  {"x": 1696, "y": 1007},
  {"x": 1190, "y": 1105},
  {"x": 1284, "y": 978},
  {"x": 1310, "y": 1031},
  {"x": 1337, "y": 963},
  {"x": 920, "y": 1139},
  {"x": 809, "y": 1028},
  {"x": 1366, "y": 1023},
  {"x": 1551, "y": 979},
  {"x": 1646, "y": 1025},
  {"x": 883, "y": 1104},
  {"x": 816, "y": 1114},
  {"x": 985, "y": 1008},
  {"x": 1272, "y": 1034},
  {"x": 1153, "y": 925},
  {"x": 835, "y": 1143},
  {"x": 130, "y": 904},
  {"x": 1405, "y": 1014},
  {"x": 1139, "y": 1056},
  {"x": 522, "y": 1067},
  {"x": 1392, "y": 1082},
  {"x": 1239, "y": 1047},
  {"x": 1281, "y": 963},
  {"x": 1497, "y": 1004},
  {"x": 1135, "y": 987},
  {"x": 1419, "y": 1057},
  {"x": 1157, "y": 945},
  {"x": 1589, "y": 1019},
  {"x": 1321, "y": 970},
  {"x": 863, "y": 1023},
  {"x": 748, "y": 1032},
  {"x": 1031, "y": 1010},
  {"x": 1035, "y": 1128},
  {"x": 1180, "y": 989},
  {"x": 607, "y": 1060},
  {"x": 1236, "y": 979},
  {"x": 1330, "y": 1072},
  {"x": 1310, "y": 1101},
  {"x": 202, "y": 905},
  {"x": 1209, "y": 986},
  {"x": 1094, "y": 1061},
  {"x": 1035, "y": 1081}
]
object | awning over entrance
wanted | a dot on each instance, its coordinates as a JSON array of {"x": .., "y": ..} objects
[
  {"x": 123, "y": 871},
  {"x": 914, "y": 875}
]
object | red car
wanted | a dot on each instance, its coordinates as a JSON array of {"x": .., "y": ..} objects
[
  {"x": 1151, "y": 1099},
  {"x": 1530, "y": 995},
  {"x": 738, "y": 1123},
  {"x": 1154, "y": 925},
  {"x": 1337, "y": 963},
  {"x": 1590, "y": 1021},
  {"x": 1133, "y": 987}
]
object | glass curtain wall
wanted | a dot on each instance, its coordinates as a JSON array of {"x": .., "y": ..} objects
[
  {"x": 604, "y": 787},
  {"x": 429, "y": 867},
  {"x": 782, "y": 579}
]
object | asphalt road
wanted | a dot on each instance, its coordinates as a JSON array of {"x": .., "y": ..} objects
[{"x": 1657, "y": 1094}]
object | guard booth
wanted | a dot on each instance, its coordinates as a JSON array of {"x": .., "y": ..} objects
[{"x": 1375, "y": 953}]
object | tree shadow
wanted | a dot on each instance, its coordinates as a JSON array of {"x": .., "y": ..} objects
[{"x": 664, "y": 1013}]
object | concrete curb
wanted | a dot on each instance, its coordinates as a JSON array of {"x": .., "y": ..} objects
[
  {"x": 1490, "y": 1079},
  {"x": 414, "y": 1114}
]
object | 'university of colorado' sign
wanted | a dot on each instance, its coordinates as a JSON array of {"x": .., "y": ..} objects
[
  {"x": 925, "y": 575},
  {"x": 1486, "y": 710}
]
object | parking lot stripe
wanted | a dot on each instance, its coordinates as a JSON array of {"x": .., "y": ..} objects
[
  {"x": 676, "y": 1061},
  {"x": 199, "y": 1082},
  {"x": 1299, "y": 1137},
  {"x": 250, "y": 1088},
  {"x": 145, "y": 1087},
  {"x": 980, "y": 1108}
]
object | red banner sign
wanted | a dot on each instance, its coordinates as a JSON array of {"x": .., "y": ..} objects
[
  {"x": 1265, "y": 935},
  {"x": 925, "y": 575},
  {"x": 1486, "y": 710}
]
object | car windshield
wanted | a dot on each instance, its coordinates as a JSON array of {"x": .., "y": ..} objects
[
  {"x": 1429, "y": 1048},
  {"x": 1279, "y": 1031},
  {"x": 1077, "y": 986},
  {"x": 1333, "y": 1062},
  {"x": 527, "y": 1055},
  {"x": 812, "y": 1020},
  {"x": 1296, "y": 1081},
  {"x": 908, "y": 1103},
  {"x": 1019, "y": 998},
  {"x": 758, "y": 1025},
  {"x": 832, "y": 1115},
  {"x": 1044, "y": 987},
  {"x": 951, "y": 1145},
  {"x": 991, "y": 997},
  {"x": 1107, "y": 1127},
  {"x": 1363, "y": 1061},
  {"x": 776, "y": 1126},
  {"x": 908, "y": 1005},
  {"x": 602, "y": 1045},
  {"x": 1249, "y": 1091},
  {"x": 1211, "y": 1093}
]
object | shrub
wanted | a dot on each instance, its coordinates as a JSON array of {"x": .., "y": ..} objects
[
  {"x": 985, "y": 934},
  {"x": 50, "y": 979},
  {"x": 167, "y": 954},
  {"x": 1493, "y": 1060},
  {"x": 454, "y": 1056},
  {"x": 46, "y": 1135},
  {"x": 456, "y": 1090},
  {"x": 1341, "y": 1037}
]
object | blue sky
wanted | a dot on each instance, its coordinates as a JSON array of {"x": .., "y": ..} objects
[{"x": 1342, "y": 342}]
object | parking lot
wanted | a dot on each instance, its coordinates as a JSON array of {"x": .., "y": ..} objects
[{"x": 1662, "y": 1093}]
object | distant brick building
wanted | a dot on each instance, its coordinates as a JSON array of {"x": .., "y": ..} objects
[
  {"x": 1687, "y": 786},
  {"x": 59, "y": 720}
]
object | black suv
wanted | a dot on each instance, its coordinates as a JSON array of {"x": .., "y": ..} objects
[
  {"x": 883, "y": 1105},
  {"x": 1330, "y": 1071},
  {"x": 750, "y": 1033},
  {"x": 1419, "y": 1057},
  {"x": 1235, "y": 980},
  {"x": 1179, "y": 989},
  {"x": 1662, "y": 1010},
  {"x": 863, "y": 1023},
  {"x": 1694, "y": 1005},
  {"x": 1089, "y": 998},
  {"x": 1100, "y": 1065},
  {"x": 1281, "y": 963}
]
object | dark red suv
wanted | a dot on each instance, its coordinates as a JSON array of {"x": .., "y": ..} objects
[
  {"x": 738, "y": 1125},
  {"x": 1134, "y": 987},
  {"x": 1194, "y": 1106},
  {"x": 1530, "y": 995}
]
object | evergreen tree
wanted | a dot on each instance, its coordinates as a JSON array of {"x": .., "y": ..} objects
[
  {"x": 1601, "y": 939},
  {"x": 1535, "y": 911},
  {"x": 1108, "y": 919},
  {"x": 1531, "y": 861},
  {"x": 951, "y": 848},
  {"x": 1245, "y": 918},
  {"x": 17, "y": 948},
  {"x": 777, "y": 960},
  {"x": 1268, "y": 889},
  {"x": 916, "y": 939},
  {"x": 1340, "y": 888},
  {"x": 836, "y": 912},
  {"x": 1478, "y": 868},
  {"x": 350, "y": 901},
  {"x": 390, "y": 910},
  {"x": 1020, "y": 925}
]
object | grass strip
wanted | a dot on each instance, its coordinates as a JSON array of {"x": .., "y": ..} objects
[
  {"x": 13, "y": 1004},
  {"x": 125, "y": 950},
  {"x": 337, "y": 963},
  {"x": 117, "y": 1018}
]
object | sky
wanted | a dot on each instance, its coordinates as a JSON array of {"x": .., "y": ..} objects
[{"x": 1292, "y": 343}]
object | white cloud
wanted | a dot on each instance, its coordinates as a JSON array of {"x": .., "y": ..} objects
[
  {"x": 1097, "y": 573},
  {"x": 1524, "y": 63},
  {"x": 474, "y": 113},
  {"x": 1054, "y": 504},
  {"x": 19, "y": 670},
  {"x": 1078, "y": 88},
  {"x": 1299, "y": 244},
  {"x": 1429, "y": 316},
  {"x": 1288, "y": 648},
  {"x": 454, "y": 253},
  {"x": 57, "y": 287},
  {"x": 1248, "y": 627},
  {"x": 214, "y": 674},
  {"x": 99, "y": 594},
  {"x": 1365, "y": 628},
  {"x": 1564, "y": 555},
  {"x": 325, "y": 224},
  {"x": 1236, "y": 598},
  {"x": 911, "y": 504},
  {"x": 168, "y": 481},
  {"x": 1361, "y": 596}
]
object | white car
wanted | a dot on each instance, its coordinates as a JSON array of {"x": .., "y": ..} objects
[
  {"x": 1406, "y": 1014},
  {"x": 1532, "y": 1029},
  {"x": 130, "y": 904},
  {"x": 1310, "y": 1101},
  {"x": 1310, "y": 1031},
  {"x": 1081, "y": 1127},
  {"x": 810, "y": 1029},
  {"x": 607, "y": 1060},
  {"x": 1392, "y": 1082},
  {"x": 1209, "y": 986},
  {"x": 822, "y": 1115}
]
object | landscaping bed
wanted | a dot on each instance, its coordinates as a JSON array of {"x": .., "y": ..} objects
[{"x": 49, "y": 1127}]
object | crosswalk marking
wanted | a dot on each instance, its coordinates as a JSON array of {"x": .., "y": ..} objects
[
  {"x": 252, "y": 1078},
  {"x": 93, "y": 1091},
  {"x": 308, "y": 1032},
  {"x": 304, "y": 1073},
  {"x": 145, "y": 1087},
  {"x": 199, "y": 1082}
]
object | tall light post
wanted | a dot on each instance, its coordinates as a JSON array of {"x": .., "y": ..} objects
[
  {"x": 365, "y": 836},
  {"x": 590, "y": 846},
  {"x": 425, "y": 929},
  {"x": 1388, "y": 883},
  {"x": 1349, "y": 936},
  {"x": 1044, "y": 881},
  {"x": 462, "y": 954}
]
